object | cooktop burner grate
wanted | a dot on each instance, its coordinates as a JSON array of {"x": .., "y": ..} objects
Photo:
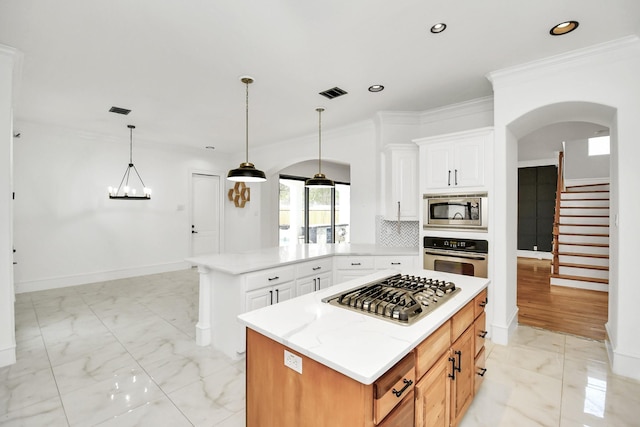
[{"x": 401, "y": 299}]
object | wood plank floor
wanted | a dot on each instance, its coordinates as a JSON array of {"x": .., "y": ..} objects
[{"x": 557, "y": 308}]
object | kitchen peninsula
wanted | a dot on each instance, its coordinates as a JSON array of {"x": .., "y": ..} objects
[
  {"x": 234, "y": 283},
  {"x": 309, "y": 360}
]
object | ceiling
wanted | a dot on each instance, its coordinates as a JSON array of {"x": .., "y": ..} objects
[{"x": 176, "y": 64}]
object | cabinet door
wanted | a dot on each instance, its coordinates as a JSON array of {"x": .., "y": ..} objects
[
  {"x": 439, "y": 166},
  {"x": 306, "y": 286},
  {"x": 462, "y": 386},
  {"x": 283, "y": 292},
  {"x": 258, "y": 299},
  {"x": 432, "y": 395},
  {"x": 468, "y": 168},
  {"x": 402, "y": 184},
  {"x": 324, "y": 281}
]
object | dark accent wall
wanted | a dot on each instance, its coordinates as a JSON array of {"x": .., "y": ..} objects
[{"x": 536, "y": 205}]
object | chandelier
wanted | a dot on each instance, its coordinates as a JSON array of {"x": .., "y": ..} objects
[{"x": 125, "y": 191}]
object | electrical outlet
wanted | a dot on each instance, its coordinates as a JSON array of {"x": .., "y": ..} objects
[
  {"x": 292, "y": 361},
  {"x": 535, "y": 248}
]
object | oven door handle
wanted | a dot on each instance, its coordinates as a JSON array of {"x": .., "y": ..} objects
[{"x": 456, "y": 255}]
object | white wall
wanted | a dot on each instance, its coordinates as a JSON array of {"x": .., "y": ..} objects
[
  {"x": 579, "y": 165},
  {"x": 352, "y": 145},
  {"x": 67, "y": 230},
  {"x": 598, "y": 85},
  {"x": 9, "y": 62}
]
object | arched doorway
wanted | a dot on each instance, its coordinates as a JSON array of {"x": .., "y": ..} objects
[{"x": 551, "y": 114}]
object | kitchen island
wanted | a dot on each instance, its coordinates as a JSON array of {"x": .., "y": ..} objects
[
  {"x": 308, "y": 360},
  {"x": 234, "y": 283}
]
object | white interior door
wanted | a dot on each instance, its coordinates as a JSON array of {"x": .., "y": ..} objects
[{"x": 205, "y": 220}]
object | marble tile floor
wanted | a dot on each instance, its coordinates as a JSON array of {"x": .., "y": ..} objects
[{"x": 122, "y": 353}]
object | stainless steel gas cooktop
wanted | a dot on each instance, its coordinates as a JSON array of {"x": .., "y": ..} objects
[{"x": 401, "y": 299}]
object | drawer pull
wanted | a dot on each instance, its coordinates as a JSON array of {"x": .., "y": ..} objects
[
  {"x": 483, "y": 334},
  {"x": 484, "y": 303},
  {"x": 355, "y": 263},
  {"x": 396, "y": 263},
  {"x": 407, "y": 384},
  {"x": 316, "y": 268},
  {"x": 452, "y": 375},
  {"x": 483, "y": 371},
  {"x": 459, "y": 354},
  {"x": 274, "y": 278}
]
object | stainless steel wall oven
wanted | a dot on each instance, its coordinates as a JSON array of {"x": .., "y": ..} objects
[{"x": 460, "y": 256}]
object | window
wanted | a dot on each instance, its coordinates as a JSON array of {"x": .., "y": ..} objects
[
  {"x": 313, "y": 215},
  {"x": 598, "y": 146}
]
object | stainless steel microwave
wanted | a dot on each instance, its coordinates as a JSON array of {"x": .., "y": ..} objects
[{"x": 455, "y": 211}]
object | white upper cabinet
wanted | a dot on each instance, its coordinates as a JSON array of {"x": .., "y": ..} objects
[
  {"x": 455, "y": 160},
  {"x": 401, "y": 182}
]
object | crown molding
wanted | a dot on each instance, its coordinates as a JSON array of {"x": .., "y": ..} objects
[
  {"x": 454, "y": 111},
  {"x": 610, "y": 51},
  {"x": 16, "y": 57}
]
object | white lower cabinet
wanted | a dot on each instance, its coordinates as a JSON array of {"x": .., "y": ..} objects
[
  {"x": 400, "y": 262},
  {"x": 268, "y": 296},
  {"x": 351, "y": 267},
  {"x": 269, "y": 287},
  {"x": 313, "y": 283}
]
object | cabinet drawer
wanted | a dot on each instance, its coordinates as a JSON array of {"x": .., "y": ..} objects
[
  {"x": 480, "y": 333},
  {"x": 480, "y": 301},
  {"x": 309, "y": 268},
  {"x": 393, "y": 387},
  {"x": 271, "y": 277},
  {"x": 403, "y": 415},
  {"x": 393, "y": 262},
  {"x": 462, "y": 320},
  {"x": 478, "y": 378},
  {"x": 429, "y": 350},
  {"x": 354, "y": 262}
]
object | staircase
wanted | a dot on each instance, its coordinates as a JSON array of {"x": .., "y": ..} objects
[{"x": 581, "y": 237}]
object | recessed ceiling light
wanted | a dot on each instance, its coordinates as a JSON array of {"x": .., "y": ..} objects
[
  {"x": 438, "y": 28},
  {"x": 376, "y": 88},
  {"x": 563, "y": 28}
]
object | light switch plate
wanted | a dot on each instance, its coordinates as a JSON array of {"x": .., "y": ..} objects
[{"x": 293, "y": 361}]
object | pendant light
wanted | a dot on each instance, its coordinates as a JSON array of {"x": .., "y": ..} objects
[
  {"x": 319, "y": 180},
  {"x": 128, "y": 192},
  {"x": 246, "y": 172}
]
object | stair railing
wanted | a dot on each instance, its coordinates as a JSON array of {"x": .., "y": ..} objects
[{"x": 556, "y": 216}]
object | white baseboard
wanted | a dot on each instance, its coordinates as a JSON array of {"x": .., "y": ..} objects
[
  {"x": 8, "y": 356},
  {"x": 500, "y": 333},
  {"x": 83, "y": 279},
  {"x": 622, "y": 364},
  {"x": 535, "y": 254}
]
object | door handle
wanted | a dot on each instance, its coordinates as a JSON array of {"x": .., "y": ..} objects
[
  {"x": 456, "y": 177},
  {"x": 271, "y": 297},
  {"x": 277, "y": 296},
  {"x": 449, "y": 178},
  {"x": 315, "y": 286},
  {"x": 459, "y": 354}
]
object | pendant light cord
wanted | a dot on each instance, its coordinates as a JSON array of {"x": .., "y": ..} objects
[
  {"x": 247, "y": 122},
  {"x": 130, "y": 145},
  {"x": 320, "y": 139}
]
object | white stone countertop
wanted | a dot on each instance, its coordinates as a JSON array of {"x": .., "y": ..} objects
[
  {"x": 260, "y": 259},
  {"x": 357, "y": 345}
]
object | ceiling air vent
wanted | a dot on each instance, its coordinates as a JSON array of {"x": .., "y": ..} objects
[
  {"x": 333, "y": 92},
  {"x": 119, "y": 110}
]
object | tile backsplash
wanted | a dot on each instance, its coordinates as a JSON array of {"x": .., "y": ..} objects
[{"x": 387, "y": 233}]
